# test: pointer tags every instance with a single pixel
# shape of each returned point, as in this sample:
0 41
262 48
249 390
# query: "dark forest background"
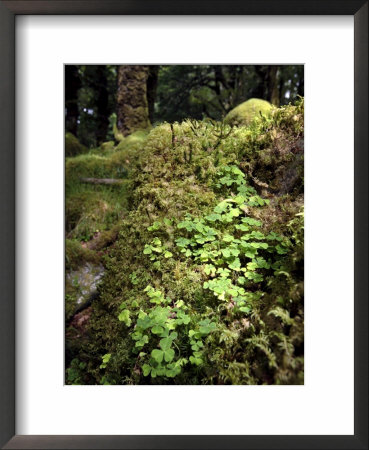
173 93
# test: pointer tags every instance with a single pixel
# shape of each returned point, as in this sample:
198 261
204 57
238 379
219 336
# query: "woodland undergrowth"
204 276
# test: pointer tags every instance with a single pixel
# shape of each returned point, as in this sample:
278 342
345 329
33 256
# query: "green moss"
243 114
179 169
89 211
72 145
76 255
104 239
106 161
94 166
118 136
106 147
133 142
277 141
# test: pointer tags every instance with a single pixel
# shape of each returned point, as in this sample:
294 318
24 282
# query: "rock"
83 284
243 114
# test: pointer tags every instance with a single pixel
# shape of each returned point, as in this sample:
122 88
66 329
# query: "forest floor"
190 269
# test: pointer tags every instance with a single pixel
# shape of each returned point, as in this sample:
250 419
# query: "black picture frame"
8 12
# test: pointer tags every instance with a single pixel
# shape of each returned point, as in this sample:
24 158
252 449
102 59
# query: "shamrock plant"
156 334
156 248
235 257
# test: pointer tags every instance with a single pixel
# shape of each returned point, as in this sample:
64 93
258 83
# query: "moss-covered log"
108 181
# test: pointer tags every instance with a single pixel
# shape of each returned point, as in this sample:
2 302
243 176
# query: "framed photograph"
184 225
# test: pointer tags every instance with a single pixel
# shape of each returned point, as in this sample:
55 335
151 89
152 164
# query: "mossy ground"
94 208
178 174
94 213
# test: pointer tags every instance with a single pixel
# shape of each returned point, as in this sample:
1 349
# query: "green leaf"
221 207
142 342
195 360
106 357
206 326
257 235
235 265
165 343
213 217
183 318
157 329
281 250
146 369
154 226
228 238
235 212
252 266
239 199
241 280
105 360
124 317
251 221
158 355
182 242
273 237
234 251
226 252
169 355
186 320
242 227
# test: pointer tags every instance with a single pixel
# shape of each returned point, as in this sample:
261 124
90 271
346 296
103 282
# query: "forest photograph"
184 224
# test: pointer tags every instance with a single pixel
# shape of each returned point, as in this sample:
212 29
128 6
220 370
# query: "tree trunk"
132 103
152 84
273 85
102 97
72 85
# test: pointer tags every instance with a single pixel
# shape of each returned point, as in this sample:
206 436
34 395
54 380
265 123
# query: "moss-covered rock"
72 145
76 255
107 147
278 165
194 209
89 212
243 114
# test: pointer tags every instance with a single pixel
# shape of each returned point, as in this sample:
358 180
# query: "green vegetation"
244 113
73 146
202 245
